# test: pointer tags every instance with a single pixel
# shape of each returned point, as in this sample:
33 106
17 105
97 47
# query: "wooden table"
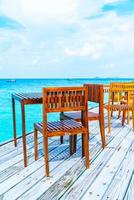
24 99
27 99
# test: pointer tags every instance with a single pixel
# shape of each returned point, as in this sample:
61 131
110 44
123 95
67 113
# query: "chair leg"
71 144
82 140
61 139
75 142
46 155
128 117
123 117
35 144
72 140
86 150
102 130
119 114
109 121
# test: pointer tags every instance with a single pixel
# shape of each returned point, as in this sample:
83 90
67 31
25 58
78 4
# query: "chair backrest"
121 90
118 96
122 87
60 99
95 93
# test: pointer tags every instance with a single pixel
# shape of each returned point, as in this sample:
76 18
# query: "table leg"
24 134
14 121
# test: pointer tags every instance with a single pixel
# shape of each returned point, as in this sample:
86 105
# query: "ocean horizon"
34 112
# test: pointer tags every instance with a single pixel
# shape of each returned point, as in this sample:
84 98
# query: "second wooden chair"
96 95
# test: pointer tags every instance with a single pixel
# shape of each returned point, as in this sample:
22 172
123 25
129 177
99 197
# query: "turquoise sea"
34 112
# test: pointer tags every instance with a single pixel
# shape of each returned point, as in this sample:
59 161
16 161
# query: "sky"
66 38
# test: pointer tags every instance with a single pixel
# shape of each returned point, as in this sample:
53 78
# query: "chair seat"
77 115
64 125
119 107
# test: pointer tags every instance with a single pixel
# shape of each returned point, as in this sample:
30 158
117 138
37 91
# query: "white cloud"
88 50
62 32
110 36
40 11
112 1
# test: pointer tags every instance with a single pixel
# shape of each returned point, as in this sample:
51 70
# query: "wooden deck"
111 174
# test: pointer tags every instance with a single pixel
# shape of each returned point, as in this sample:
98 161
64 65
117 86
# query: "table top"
28 98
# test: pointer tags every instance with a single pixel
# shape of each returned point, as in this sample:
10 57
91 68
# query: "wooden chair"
126 90
60 100
95 94
118 97
123 100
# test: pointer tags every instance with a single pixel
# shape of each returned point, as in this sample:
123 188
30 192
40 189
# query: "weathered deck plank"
88 177
130 189
103 181
39 174
109 177
67 181
14 168
119 184
21 175
43 184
